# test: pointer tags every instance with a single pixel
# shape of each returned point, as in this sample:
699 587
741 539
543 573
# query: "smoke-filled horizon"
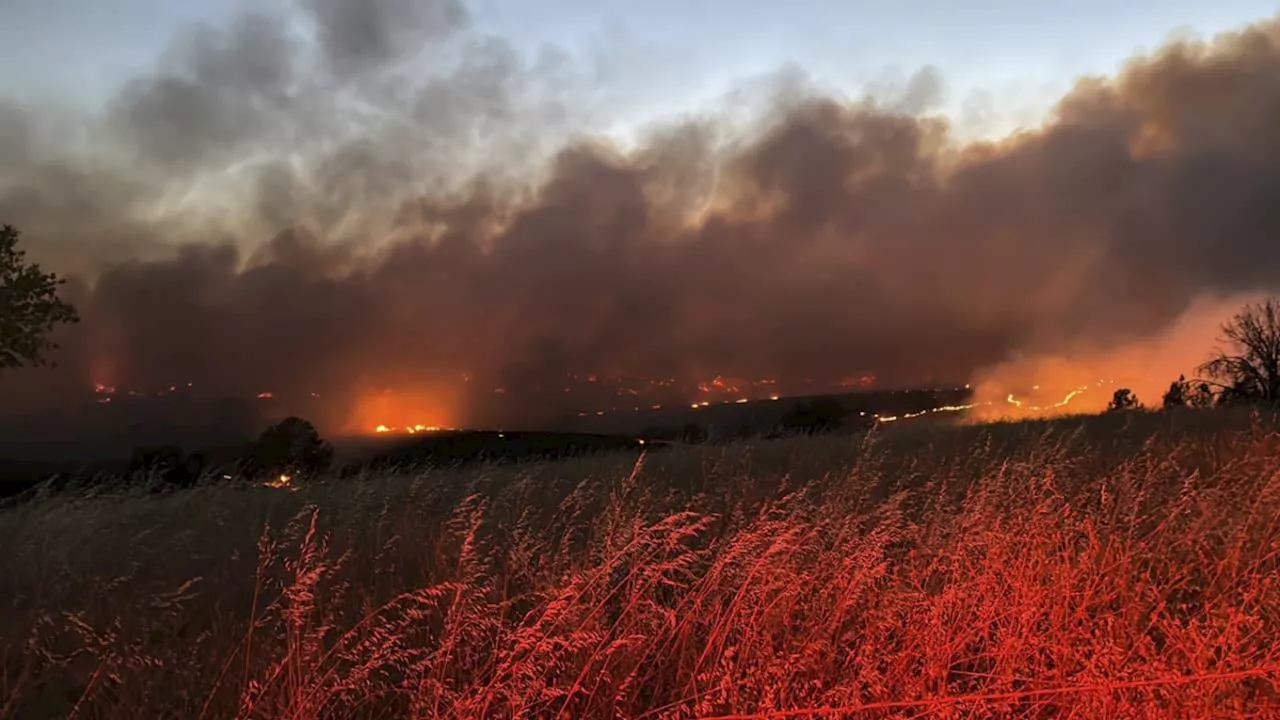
278 208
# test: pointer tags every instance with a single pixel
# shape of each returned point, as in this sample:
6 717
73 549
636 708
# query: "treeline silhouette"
286 453
292 452
812 416
457 448
1244 371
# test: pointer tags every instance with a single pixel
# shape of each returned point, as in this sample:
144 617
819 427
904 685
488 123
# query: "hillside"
1091 567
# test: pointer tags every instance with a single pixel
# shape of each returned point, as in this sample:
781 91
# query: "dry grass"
1031 571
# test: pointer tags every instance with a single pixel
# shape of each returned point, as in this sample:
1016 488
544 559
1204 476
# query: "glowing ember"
1042 408
410 429
284 482
943 408
1010 399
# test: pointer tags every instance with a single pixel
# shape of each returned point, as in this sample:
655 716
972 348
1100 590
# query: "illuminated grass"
1108 568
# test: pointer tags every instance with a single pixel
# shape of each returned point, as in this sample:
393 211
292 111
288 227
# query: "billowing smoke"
295 205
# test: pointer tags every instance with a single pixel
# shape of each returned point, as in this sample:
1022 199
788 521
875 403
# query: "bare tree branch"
1251 370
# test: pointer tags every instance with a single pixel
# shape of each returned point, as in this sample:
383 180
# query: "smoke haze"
286 205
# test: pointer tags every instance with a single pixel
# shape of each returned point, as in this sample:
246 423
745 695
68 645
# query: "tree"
29 306
1182 393
822 415
166 465
1249 369
1177 394
1201 396
292 448
693 434
1122 399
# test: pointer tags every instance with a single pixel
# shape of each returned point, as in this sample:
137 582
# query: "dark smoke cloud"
341 228
223 96
358 36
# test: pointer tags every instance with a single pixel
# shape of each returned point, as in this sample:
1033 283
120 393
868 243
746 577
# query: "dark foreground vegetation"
294 450
452 449
1126 565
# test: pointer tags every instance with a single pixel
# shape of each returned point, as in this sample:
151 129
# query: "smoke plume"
294 205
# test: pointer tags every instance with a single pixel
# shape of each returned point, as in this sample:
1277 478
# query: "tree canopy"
29 306
1248 368
1123 399
291 447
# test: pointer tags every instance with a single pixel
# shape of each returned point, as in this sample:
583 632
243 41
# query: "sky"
1009 57
448 198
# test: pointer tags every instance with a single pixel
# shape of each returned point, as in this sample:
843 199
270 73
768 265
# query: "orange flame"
400 411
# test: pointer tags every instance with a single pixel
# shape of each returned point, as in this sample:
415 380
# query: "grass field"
1124 566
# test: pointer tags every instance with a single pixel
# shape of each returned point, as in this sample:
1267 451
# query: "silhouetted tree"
693 433
291 447
1234 395
1177 394
1249 369
817 416
166 465
1201 396
1122 399
29 306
